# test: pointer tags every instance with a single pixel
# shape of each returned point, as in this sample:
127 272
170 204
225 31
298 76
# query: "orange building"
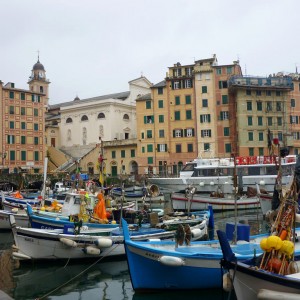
22 126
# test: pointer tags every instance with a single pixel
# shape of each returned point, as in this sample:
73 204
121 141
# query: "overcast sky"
95 47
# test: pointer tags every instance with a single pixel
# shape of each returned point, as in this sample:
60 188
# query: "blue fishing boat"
181 264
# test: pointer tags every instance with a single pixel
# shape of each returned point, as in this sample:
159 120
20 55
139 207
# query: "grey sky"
94 47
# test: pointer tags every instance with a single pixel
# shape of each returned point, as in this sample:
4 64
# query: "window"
219 71
23 111
259 106
161 133
160 91
188 83
132 153
10 139
188 71
100 116
149 148
249 105
22 96
113 154
35 98
11 110
69 120
177 100
84 118
148 104
204 89
260 136
268 93
280 136
11 95
11 125
23 155
293 103
205 118
188 115
177 72
269 121
206 133
228 148
176 85
278 93
125 117
250 121
12 155
36 155
251 151
160 103
148 119
248 92
142 135
224 99
177 115
177 133
190 148
36 140
226 131
206 147
278 106
178 148
161 148
224 115
23 139
258 93
222 84
143 149
189 132
229 70
250 136
161 118
279 121
260 121
36 112
269 106
204 103
23 125
188 99
123 153
150 160
36 126
149 134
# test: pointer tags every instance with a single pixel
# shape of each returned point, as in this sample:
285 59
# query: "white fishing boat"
208 173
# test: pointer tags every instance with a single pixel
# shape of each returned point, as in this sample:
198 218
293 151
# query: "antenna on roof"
245 69
38 55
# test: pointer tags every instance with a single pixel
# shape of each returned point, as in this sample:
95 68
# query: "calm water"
103 280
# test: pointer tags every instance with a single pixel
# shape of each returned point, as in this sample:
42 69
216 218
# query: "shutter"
297 120
173 133
166 147
193 132
201 133
291 120
185 132
208 118
158 148
201 118
182 132
145 120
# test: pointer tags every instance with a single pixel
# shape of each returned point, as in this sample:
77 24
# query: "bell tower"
38 83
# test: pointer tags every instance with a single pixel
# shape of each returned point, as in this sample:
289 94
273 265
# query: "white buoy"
103 243
91 250
227 282
196 233
201 183
262 182
212 183
20 256
171 261
68 242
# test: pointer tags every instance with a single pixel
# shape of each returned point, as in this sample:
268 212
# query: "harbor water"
100 279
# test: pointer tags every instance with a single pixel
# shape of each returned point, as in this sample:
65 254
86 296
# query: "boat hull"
201 202
21 220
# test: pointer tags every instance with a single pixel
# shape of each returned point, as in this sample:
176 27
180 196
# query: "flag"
101 178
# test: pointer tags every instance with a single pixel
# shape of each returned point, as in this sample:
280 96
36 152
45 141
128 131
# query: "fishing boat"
45 244
218 201
21 219
183 264
277 269
208 173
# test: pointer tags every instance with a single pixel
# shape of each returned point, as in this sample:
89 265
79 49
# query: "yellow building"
22 145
